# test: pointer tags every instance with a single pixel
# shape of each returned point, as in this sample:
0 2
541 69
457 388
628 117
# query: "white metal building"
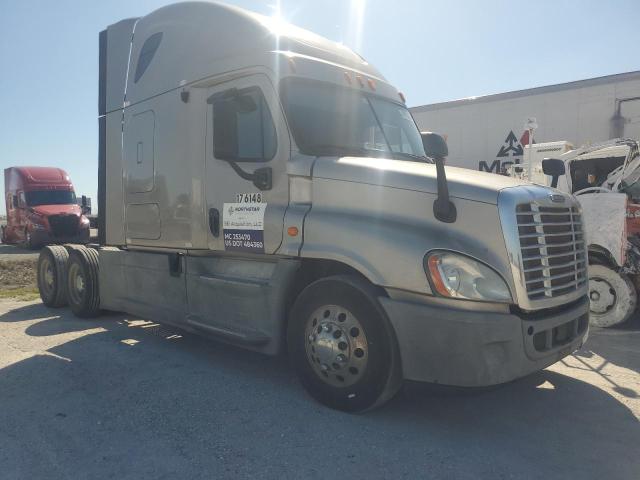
485 133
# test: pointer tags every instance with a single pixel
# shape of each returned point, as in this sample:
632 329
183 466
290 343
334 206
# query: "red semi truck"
41 208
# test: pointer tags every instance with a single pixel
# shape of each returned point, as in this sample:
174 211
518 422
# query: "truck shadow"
135 397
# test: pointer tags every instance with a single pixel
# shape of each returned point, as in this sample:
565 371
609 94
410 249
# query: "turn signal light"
432 264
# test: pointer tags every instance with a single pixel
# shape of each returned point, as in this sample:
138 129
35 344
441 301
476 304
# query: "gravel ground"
122 398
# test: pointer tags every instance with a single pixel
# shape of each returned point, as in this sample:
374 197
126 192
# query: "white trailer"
486 133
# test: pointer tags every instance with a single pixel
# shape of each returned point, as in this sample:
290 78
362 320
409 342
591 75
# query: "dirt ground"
18 273
120 397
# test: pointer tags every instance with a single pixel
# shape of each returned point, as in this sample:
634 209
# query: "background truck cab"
41 208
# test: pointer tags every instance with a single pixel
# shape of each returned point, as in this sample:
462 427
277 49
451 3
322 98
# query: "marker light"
371 83
292 231
347 77
401 95
360 80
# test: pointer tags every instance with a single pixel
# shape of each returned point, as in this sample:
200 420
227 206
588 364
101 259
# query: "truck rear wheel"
342 345
613 296
52 275
82 282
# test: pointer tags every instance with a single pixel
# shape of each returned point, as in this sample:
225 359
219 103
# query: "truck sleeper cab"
270 189
41 208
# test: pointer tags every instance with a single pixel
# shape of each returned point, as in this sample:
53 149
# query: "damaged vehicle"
605 178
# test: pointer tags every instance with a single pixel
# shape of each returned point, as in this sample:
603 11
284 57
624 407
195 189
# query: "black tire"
82 282
613 296
380 378
52 275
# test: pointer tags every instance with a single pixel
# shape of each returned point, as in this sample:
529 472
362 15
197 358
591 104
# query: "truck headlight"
458 276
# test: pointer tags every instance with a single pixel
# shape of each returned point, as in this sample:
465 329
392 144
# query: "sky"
431 50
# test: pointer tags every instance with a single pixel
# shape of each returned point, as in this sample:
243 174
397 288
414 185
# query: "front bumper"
475 348
44 237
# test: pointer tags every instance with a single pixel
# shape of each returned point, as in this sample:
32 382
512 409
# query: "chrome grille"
554 262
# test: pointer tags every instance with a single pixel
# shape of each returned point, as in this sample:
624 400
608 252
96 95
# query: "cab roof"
191 41
42 175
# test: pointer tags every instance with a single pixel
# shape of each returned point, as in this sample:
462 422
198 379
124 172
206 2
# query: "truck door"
21 216
12 215
247 148
246 195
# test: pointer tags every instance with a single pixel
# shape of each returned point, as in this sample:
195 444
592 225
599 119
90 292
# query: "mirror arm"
443 208
261 178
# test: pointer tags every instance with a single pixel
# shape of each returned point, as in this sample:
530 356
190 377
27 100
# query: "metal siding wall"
476 130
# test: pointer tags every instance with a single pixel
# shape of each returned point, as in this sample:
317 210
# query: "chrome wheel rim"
336 346
76 283
602 296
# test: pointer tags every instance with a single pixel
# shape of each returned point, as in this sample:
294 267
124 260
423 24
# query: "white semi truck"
266 187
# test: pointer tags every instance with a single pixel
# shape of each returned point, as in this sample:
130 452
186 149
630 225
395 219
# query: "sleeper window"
147 52
243 129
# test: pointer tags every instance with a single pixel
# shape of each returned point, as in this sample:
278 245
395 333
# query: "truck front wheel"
28 240
342 346
613 296
82 282
52 275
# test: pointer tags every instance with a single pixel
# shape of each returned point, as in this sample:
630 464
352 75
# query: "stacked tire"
52 275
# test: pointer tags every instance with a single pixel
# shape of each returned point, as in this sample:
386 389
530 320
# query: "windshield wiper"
411 156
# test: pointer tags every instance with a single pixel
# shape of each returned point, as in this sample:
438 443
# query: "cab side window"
243 129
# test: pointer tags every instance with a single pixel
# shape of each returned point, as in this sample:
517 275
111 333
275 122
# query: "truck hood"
417 176
48 210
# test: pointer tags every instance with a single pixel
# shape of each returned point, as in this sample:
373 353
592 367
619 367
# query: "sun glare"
356 24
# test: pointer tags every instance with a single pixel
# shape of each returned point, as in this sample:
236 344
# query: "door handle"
214 222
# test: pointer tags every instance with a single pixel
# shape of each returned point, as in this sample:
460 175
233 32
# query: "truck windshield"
331 120
49 197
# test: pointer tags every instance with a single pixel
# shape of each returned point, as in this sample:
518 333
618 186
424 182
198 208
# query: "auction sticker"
243 226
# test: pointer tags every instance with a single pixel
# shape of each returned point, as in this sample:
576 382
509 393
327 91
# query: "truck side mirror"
554 168
229 133
436 148
434 145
